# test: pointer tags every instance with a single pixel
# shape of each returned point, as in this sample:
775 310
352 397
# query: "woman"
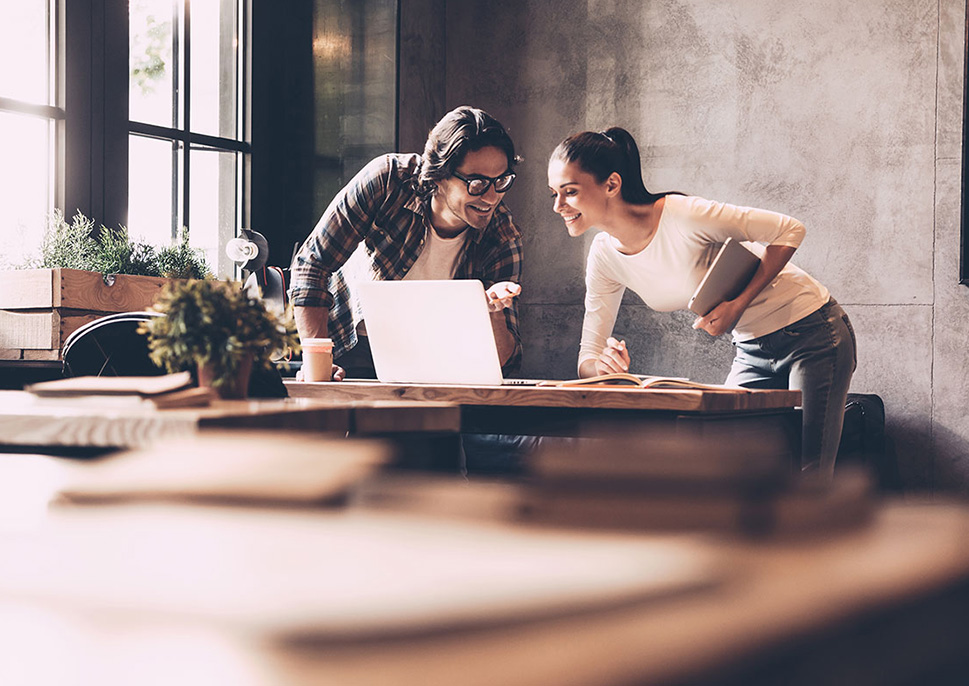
787 330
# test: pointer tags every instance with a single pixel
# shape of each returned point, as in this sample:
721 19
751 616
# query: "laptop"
728 275
431 332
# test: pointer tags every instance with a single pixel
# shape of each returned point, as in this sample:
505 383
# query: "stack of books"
638 482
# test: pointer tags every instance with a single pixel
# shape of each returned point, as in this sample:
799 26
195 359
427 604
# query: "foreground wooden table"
27 422
880 605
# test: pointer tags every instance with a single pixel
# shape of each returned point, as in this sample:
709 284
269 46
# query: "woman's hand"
502 294
721 318
614 358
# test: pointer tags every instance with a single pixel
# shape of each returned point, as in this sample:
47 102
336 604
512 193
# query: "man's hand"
721 318
502 295
337 374
614 358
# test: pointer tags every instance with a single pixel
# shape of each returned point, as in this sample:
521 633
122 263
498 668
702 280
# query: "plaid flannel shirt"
381 208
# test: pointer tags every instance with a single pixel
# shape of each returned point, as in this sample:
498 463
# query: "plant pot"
235 387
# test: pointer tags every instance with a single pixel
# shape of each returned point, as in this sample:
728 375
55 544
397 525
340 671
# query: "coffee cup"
317 359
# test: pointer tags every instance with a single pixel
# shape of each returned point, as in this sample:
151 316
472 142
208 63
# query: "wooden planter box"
40 308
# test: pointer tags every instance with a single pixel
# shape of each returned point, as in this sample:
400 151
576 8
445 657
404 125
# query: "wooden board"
40 308
576 397
26 289
40 329
93 422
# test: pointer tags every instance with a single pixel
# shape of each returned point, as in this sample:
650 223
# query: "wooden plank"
42 354
40 329
94 422
406 417
275 414
77 289
33 329
26 288
576 397
122 293
71 323
11 354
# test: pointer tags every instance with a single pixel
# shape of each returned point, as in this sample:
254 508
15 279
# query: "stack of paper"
165 391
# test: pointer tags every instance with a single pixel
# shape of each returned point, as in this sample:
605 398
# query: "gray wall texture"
847 116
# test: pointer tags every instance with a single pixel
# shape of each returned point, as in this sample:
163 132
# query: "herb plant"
116 253
70 245
79 244
181 261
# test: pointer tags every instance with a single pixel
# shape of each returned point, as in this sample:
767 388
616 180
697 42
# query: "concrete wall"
845 115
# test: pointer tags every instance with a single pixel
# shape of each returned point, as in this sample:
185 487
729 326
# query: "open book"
643 381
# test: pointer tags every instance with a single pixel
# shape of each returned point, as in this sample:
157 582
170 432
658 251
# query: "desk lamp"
250 250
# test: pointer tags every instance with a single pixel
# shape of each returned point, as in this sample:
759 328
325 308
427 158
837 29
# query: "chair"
110 346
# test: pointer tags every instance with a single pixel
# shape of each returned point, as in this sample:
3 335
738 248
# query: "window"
187 149
28 126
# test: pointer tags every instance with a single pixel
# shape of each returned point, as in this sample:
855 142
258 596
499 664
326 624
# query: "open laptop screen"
434 332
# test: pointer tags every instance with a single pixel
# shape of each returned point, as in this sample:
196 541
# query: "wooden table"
578 411
881 605
425 432
581 398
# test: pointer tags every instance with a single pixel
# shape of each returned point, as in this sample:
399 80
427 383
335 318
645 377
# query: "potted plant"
218 328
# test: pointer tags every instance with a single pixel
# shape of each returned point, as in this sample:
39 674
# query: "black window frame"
90 112
189 140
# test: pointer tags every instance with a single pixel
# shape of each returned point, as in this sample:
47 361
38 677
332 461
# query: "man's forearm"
311 322
504 339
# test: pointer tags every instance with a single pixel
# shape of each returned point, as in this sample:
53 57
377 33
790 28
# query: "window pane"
214 67
212 205
24 43
354 53
150 59
150 184
24 186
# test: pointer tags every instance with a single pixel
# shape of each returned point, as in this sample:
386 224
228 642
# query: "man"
438 215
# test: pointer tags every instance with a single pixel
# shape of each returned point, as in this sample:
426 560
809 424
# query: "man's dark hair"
462 130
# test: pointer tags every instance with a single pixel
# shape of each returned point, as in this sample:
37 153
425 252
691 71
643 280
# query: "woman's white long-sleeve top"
667 271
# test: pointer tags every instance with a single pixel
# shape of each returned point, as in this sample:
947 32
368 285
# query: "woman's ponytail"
605 152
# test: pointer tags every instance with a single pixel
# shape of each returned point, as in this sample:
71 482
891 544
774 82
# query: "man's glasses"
479 185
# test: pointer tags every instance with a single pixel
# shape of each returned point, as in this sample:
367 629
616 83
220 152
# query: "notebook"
433 332
728 275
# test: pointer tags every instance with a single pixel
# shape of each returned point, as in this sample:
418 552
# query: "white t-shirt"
439 258
667 271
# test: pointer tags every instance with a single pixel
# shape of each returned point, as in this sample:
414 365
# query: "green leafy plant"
70 245
218 324
182 261
79 244
116 253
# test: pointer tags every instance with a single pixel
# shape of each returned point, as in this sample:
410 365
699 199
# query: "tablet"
728 275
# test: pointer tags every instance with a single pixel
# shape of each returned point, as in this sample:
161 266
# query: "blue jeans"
817 356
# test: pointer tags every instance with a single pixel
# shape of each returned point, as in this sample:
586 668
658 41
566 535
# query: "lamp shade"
250 250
